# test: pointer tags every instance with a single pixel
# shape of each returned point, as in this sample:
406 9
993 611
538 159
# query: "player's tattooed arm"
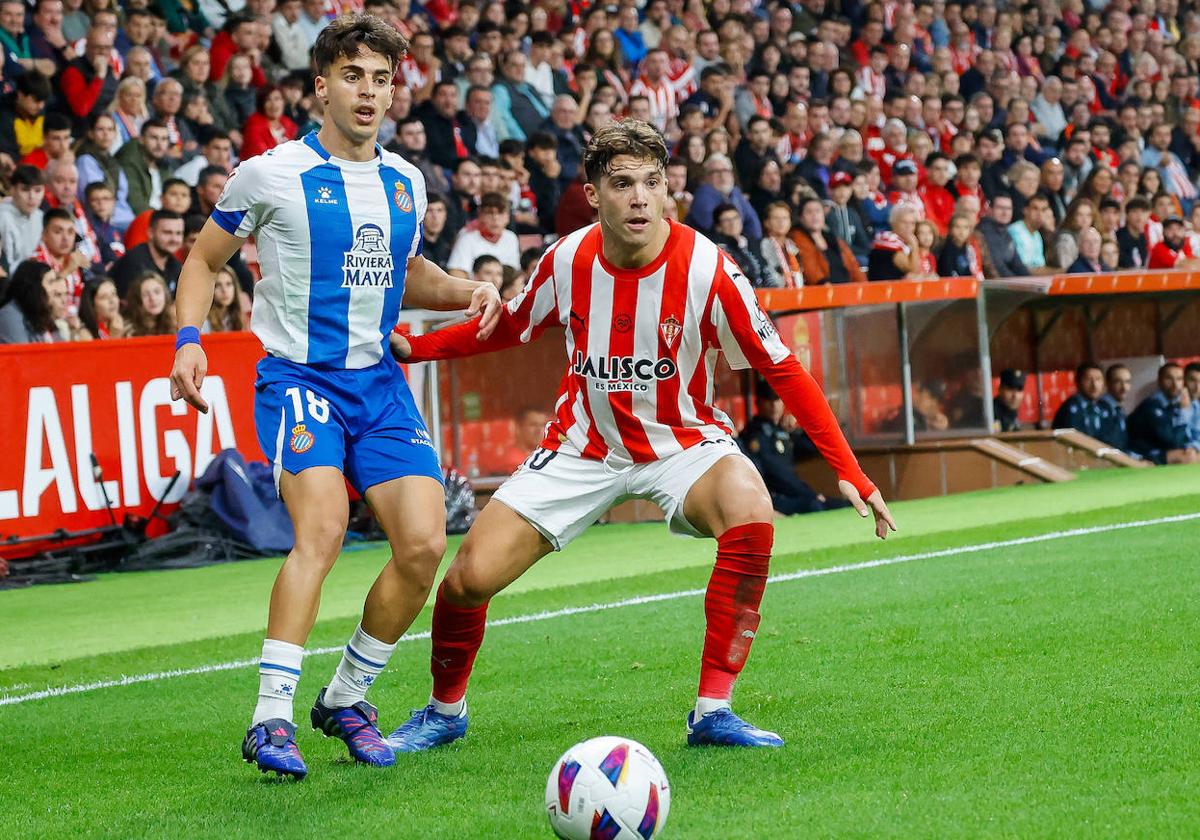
429 287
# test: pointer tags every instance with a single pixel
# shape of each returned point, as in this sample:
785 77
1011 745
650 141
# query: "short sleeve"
241 209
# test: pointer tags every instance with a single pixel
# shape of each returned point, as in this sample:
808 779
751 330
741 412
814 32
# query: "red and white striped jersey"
664 101
642 348
642 345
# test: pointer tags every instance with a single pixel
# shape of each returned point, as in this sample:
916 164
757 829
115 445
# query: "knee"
749 503
464 585
419 558
320 542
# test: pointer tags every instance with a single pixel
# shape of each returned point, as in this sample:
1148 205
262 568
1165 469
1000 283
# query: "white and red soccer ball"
607 789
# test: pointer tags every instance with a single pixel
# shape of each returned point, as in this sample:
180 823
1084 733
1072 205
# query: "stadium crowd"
817 141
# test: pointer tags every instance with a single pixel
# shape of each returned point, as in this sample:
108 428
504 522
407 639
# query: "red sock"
457 635
731 605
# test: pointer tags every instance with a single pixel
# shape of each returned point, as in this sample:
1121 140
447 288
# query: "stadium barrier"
65 402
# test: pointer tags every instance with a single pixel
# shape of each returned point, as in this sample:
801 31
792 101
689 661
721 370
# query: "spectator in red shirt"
966 182
1174 251
267 127
88 83
938 201
240 36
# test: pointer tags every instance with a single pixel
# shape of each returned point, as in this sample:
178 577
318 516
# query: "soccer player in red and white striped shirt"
648 305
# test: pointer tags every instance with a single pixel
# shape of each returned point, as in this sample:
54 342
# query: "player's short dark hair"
349 34
624 137
28 176
482 260
163 216
56 214
34 84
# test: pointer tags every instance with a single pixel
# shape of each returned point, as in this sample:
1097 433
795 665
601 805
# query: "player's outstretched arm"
804 399
427 286
748 338
193 299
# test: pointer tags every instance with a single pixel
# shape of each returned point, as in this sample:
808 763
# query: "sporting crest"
670 329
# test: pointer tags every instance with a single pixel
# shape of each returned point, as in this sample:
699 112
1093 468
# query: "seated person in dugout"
772 442
1158 428
1007 401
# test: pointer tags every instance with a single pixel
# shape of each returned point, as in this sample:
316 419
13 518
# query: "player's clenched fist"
191 366
486 300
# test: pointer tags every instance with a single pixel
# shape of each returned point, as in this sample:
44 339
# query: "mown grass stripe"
546 615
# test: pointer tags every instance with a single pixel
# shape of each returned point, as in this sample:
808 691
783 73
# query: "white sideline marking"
14 699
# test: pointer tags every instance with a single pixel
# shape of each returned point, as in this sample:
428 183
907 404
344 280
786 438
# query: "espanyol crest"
402 198
369 262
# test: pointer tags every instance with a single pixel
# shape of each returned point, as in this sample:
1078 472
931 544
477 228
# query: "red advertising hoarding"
61 403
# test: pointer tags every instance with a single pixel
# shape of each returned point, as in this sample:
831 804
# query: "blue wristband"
187 335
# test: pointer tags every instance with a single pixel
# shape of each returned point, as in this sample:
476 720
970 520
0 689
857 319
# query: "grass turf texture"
1038 690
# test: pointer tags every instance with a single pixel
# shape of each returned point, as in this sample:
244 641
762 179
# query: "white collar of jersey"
313 143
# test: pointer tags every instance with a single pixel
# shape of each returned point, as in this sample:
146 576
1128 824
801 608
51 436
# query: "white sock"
278 674
362 661
449 709
708 705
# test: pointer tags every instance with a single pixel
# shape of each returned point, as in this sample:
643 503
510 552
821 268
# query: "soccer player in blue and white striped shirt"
337 222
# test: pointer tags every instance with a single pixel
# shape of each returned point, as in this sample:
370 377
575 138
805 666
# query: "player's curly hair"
344 37
623 137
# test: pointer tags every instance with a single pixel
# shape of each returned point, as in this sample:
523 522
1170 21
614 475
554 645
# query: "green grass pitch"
1046 688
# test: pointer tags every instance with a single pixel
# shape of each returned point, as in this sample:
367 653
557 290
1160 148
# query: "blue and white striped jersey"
334 239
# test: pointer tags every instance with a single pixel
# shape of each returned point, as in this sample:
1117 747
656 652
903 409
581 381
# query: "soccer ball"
607 789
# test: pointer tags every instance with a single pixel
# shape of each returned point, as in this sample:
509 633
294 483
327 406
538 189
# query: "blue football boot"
356 725
427 728
271 745
723 728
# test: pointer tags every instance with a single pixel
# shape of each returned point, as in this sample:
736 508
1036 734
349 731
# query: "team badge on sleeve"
302 439
402 198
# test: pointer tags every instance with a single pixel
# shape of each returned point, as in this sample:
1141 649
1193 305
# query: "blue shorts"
364 422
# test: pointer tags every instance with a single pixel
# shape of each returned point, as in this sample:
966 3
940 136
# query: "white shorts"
561 494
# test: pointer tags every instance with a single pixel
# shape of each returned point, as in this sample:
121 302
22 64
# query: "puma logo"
443 663
576 317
